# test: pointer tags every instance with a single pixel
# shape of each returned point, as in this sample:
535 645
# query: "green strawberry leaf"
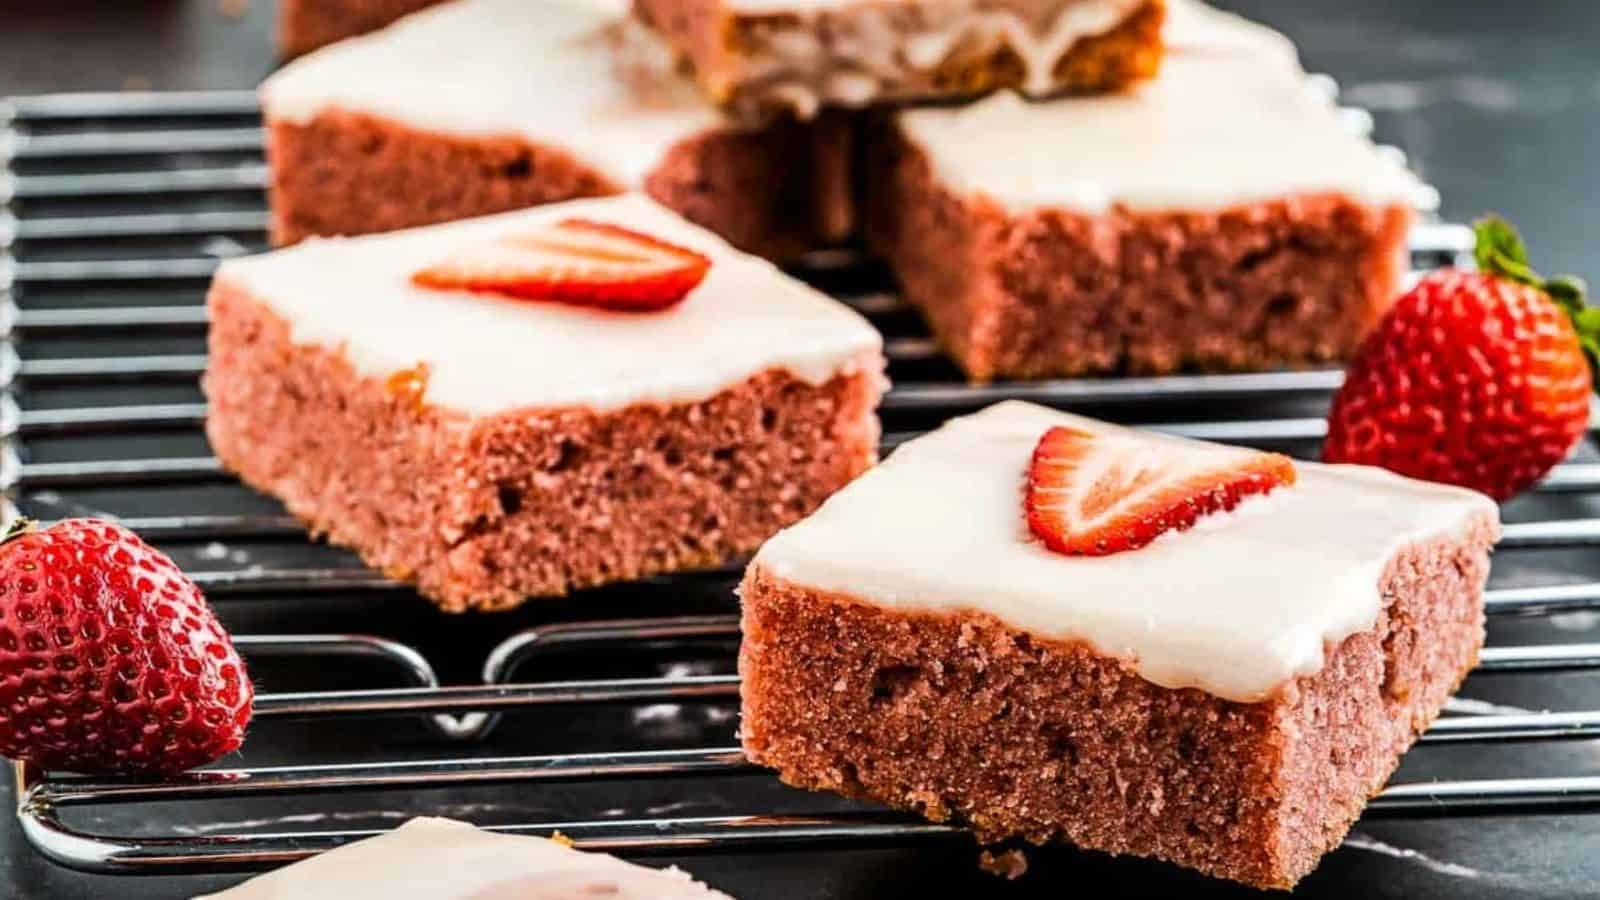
1568 291
1586 320
1499 250
18 527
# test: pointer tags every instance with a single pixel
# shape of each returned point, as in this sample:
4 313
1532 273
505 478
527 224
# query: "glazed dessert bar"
483 106
490 444
802 55
440 859
1220 217
1225 697
305 25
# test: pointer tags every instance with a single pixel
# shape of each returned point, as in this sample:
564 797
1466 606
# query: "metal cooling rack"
112 199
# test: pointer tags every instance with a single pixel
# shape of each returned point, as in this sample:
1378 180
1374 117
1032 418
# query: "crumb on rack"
1007 864
557 837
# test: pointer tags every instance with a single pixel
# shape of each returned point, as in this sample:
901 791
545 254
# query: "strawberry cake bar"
1053 628
802 55
538 401
305 25
1221 216
441 859
482 106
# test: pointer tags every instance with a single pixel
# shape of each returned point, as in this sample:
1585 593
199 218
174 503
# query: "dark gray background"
1497 103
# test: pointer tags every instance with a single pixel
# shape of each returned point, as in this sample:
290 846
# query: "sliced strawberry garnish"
574 261
1093 494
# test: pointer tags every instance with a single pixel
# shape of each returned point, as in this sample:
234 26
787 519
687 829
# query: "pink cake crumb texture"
776 191
1051 292
960 717
481 513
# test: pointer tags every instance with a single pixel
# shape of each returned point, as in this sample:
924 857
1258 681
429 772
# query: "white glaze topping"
1236 606
486 354
439 859
1040 52
871 48
543 70
1231 119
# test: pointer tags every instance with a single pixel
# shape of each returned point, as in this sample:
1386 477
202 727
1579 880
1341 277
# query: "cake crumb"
234 9
1007 864
410 385
557 837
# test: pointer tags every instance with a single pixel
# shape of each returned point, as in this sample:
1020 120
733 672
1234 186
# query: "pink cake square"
489 449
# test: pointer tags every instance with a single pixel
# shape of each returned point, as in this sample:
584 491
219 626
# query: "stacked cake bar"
802 55
1224 697
1221 216
457 406
482 106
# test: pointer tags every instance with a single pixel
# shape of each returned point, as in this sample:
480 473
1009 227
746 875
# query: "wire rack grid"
110 200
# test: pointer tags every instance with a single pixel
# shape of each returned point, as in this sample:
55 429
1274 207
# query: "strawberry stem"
19 526
1499 250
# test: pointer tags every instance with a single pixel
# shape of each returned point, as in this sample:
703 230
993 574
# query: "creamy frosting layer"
863 51
488 354
440 859
1232 118
1236 606
573 74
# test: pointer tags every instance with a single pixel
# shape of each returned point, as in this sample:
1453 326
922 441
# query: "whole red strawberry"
110 660
1480 379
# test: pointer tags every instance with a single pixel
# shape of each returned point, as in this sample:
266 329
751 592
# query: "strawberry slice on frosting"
574 261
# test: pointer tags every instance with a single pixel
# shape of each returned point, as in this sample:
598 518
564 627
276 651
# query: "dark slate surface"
1497 103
